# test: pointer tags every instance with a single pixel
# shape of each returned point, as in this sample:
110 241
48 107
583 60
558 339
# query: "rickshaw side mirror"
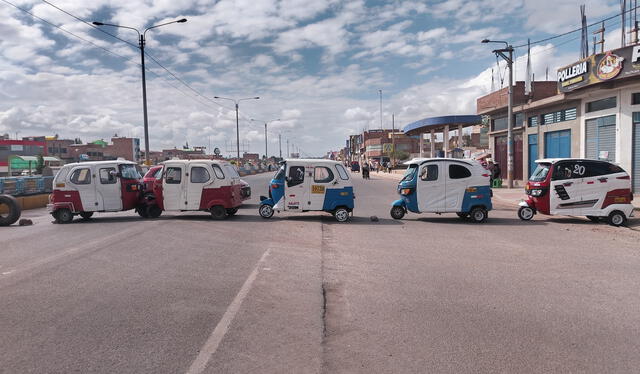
114 173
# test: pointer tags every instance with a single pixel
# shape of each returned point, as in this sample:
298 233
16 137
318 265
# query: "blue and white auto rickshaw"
310 185
444 185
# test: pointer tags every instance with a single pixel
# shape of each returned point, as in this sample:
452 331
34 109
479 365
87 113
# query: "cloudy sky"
316 65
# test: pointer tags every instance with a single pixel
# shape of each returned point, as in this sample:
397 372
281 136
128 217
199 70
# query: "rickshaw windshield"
540 173
280 174
410 173
128 171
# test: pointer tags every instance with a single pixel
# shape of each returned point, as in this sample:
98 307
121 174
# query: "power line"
578 29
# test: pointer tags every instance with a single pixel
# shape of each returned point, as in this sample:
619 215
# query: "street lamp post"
266 155
236 102
509 59
141 43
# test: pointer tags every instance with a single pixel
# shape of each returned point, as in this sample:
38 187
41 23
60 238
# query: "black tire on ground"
265 211
86 215
63 215
397 212
526 213
617 218
232 211
462 215
153 211
478 214
594 219
142 211
218 212
13 210
341 215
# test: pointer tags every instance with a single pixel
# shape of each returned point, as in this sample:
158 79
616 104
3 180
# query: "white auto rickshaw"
101 186
196 185
310 185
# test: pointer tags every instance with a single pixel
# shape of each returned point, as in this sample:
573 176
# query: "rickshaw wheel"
265 211
142 211
232 211
525 213
594 219
478 214
617 218
341 215
397 212
86 215
63 215
153 211
218 212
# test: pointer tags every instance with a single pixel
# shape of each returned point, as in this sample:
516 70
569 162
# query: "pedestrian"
496 171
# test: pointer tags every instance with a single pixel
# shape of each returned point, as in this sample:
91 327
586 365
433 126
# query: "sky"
317 66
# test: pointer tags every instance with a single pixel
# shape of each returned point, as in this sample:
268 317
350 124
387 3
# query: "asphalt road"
302 293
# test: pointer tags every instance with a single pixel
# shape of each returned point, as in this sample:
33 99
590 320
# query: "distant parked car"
355 167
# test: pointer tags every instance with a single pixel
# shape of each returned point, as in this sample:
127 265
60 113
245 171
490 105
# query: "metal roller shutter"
601 137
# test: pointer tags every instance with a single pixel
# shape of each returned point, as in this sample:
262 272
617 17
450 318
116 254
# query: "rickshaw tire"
86 215
523 216
142 212
475 217
594 219
14 210
617 218
63 216
232 211
153 211
218 212
397 212
341 215
265 211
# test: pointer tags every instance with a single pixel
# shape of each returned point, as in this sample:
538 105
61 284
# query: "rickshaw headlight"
406 191
536 192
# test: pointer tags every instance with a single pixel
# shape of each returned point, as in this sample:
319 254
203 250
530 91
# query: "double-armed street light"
141 43
509 59
236 102
266 155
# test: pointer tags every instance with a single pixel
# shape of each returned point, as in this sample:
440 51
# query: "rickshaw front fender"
400 202
267 201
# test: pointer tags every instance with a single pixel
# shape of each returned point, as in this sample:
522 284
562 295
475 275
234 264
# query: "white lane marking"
211 345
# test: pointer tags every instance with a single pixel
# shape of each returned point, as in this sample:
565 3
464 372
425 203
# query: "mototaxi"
310 185
444 185
578 187
195 185
95 186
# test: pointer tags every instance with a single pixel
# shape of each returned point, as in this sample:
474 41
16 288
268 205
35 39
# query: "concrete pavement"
302 293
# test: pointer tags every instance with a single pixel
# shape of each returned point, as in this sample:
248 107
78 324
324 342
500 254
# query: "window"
280 174
129 171
540 173
232 171
199 175
533 121
410 173
608 103
499 124
81 176
322 174
559 116
569 170
342 172
635 98
158 173
217 171
296 175
173 175
107 175
518 120
429 173
458 172
595 168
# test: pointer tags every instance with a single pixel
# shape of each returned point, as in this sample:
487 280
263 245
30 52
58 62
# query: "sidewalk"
505 195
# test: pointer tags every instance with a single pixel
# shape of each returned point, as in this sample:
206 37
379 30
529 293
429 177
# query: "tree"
39 164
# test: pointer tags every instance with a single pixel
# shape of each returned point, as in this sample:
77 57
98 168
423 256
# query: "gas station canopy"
438 123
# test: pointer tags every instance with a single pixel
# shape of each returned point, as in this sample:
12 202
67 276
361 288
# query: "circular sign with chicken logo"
609 66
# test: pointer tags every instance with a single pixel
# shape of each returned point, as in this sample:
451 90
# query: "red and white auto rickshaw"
102 186
196 185
579 187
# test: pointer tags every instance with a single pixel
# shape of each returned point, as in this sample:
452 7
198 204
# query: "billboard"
603 67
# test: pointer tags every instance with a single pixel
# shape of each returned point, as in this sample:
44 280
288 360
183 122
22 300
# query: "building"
24 147
591 111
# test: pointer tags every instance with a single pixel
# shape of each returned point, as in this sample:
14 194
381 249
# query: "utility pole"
280 144
393 139
380 91
288 154
236 102
509 59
